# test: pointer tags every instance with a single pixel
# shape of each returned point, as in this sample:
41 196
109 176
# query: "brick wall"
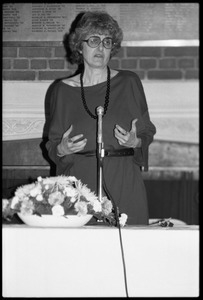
36 61
172 181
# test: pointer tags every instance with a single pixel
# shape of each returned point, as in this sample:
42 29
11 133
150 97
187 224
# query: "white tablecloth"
87 262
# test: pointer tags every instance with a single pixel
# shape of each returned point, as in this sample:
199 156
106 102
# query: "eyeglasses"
94 41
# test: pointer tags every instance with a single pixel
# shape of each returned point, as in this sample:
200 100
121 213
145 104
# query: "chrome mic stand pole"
100 151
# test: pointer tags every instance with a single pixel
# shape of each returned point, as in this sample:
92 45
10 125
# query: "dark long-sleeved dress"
122 174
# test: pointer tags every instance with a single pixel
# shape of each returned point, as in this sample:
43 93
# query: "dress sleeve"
148 131
55 132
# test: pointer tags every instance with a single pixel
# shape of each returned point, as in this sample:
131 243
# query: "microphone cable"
119 229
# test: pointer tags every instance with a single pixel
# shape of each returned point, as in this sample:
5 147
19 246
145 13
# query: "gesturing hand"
128 139
69 145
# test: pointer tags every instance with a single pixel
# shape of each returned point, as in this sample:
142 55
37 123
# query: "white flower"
86 192
5 203
22 191
39 197
46 187
72 178
122 220
56 198
97 206
106 206
57 210
27 208
81 208
70 191
49 180
73 199
62 180
36 190
14 201
39 178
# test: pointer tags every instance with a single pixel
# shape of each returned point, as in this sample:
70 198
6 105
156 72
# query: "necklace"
106 103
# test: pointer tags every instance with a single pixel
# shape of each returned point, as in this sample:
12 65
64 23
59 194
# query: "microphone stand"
100 156
100 151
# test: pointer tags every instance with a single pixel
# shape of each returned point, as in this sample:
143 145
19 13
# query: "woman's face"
97 57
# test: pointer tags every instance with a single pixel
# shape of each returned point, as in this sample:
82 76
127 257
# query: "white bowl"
55 221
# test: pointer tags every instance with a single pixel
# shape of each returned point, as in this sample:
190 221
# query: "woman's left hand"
127 139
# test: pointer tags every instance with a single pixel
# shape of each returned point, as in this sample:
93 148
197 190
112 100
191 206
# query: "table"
87 261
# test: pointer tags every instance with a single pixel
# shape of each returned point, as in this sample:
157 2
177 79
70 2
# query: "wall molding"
173 107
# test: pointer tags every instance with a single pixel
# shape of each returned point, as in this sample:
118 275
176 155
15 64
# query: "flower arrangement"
60 196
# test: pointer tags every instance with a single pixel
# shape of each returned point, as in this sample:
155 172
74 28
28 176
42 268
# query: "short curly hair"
95 22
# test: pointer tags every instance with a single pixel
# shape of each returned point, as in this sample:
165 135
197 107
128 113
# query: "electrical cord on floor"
119 229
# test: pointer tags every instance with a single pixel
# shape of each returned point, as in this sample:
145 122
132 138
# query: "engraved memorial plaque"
139 21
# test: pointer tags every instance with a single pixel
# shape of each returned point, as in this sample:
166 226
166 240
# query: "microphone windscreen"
100 110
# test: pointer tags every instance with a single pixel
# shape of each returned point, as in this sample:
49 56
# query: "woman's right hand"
70 145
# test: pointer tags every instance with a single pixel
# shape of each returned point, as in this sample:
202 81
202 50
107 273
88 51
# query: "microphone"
100 152
100 112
